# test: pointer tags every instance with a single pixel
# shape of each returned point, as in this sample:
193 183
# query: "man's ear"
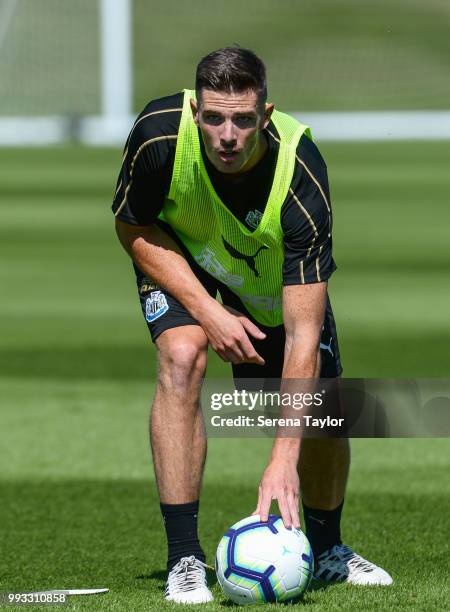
194 109
268 110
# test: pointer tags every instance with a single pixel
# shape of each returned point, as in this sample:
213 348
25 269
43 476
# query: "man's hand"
227 331
280 481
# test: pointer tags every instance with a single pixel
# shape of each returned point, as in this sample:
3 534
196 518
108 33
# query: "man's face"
231 125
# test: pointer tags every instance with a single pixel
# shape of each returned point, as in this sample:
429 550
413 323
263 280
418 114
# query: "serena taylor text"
306 420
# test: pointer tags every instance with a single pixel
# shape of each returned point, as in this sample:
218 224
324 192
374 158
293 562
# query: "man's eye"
245 121
213 119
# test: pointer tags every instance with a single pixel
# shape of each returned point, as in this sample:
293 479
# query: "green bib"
248 262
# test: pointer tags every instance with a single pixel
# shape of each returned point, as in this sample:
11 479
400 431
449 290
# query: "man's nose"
228 136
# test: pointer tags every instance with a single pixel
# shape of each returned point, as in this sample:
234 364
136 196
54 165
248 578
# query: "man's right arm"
142 186
160 258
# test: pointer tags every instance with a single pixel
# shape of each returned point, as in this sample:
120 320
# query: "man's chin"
228 167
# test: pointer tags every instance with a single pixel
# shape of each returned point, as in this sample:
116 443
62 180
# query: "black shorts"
162 311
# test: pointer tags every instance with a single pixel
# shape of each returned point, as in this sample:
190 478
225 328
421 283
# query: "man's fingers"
285 510
264 507
236 354
240 352
231 355
293 502
251 356
249 327
255 358
226 356
252 329
258 504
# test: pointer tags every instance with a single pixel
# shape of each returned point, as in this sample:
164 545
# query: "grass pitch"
79 507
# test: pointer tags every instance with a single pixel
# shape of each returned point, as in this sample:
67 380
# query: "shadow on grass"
316 585
113 363
160 577
88 363
319 585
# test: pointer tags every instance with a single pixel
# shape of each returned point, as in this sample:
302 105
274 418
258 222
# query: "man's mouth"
228 156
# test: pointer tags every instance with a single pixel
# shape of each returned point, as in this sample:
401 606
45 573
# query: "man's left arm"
303 309
306 220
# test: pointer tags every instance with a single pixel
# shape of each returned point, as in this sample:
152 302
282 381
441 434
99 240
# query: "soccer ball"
261 562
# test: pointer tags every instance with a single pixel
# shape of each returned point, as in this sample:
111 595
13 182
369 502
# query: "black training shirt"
306 219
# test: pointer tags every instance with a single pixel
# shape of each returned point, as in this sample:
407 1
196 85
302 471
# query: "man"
218 192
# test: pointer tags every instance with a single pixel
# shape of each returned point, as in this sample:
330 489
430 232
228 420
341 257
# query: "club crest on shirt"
155 306
253 218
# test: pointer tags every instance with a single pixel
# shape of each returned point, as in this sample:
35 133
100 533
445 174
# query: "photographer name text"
306 420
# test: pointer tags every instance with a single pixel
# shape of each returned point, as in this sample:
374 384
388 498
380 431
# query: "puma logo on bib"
249 259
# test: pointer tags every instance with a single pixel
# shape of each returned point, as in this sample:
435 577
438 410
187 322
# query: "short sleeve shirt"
306 217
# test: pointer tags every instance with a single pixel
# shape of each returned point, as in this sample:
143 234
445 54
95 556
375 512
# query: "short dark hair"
232 69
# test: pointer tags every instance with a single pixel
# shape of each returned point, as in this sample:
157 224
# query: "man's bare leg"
179 450
176 425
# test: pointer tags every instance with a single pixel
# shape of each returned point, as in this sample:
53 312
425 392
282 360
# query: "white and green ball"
262 562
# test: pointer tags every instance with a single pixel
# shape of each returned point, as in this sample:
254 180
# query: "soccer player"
220 193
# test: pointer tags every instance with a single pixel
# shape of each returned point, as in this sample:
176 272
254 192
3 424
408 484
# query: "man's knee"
182 356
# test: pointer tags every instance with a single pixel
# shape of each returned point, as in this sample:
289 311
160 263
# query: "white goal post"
65 71
116 75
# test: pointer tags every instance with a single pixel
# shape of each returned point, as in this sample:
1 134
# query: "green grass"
79 506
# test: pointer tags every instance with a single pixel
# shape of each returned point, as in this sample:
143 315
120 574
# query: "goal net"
49 57
65 70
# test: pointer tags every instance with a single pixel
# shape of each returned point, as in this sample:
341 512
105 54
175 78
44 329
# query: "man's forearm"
301 365
301 358
160 258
